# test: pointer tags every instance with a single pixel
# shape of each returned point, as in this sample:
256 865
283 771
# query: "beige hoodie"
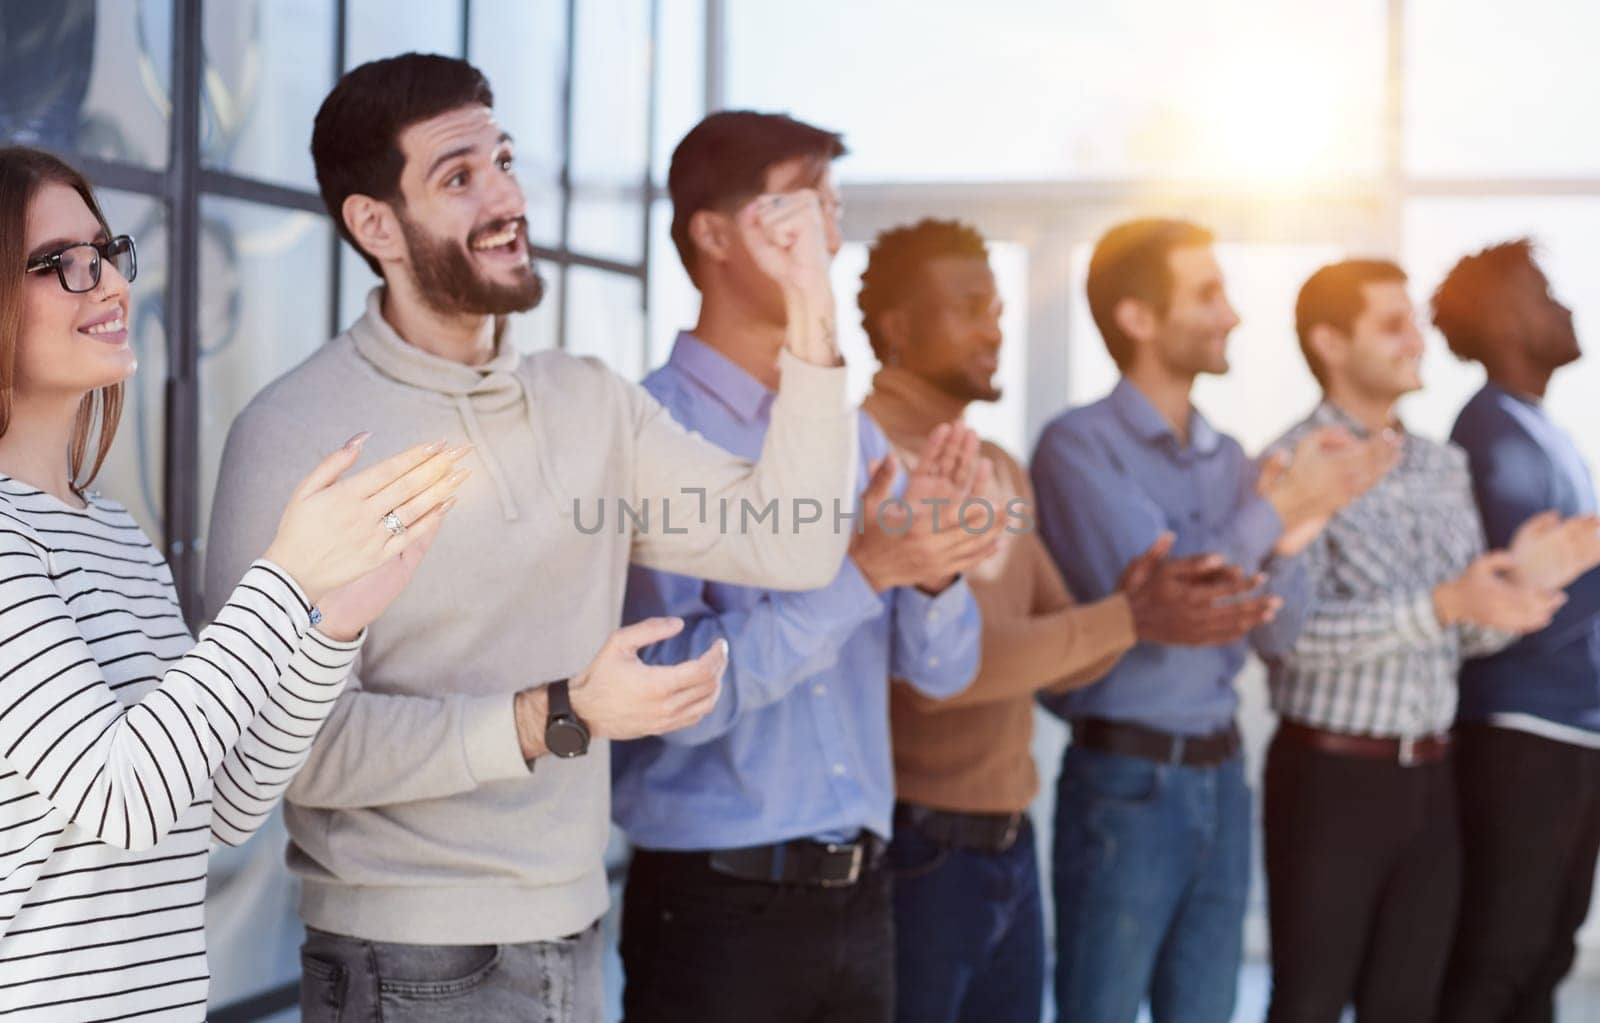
416 818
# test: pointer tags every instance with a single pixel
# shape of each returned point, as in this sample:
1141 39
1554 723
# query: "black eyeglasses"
78 266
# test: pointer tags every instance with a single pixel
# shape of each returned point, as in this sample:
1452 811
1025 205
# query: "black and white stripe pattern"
126 748
1372 658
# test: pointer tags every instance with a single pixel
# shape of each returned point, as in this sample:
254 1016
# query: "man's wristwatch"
565 734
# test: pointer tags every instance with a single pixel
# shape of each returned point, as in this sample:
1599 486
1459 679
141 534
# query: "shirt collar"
1141 417
1329 414
1522 399
744 395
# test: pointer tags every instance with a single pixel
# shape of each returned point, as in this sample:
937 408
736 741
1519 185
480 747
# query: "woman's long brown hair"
23 172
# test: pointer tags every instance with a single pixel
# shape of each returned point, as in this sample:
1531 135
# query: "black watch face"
566 738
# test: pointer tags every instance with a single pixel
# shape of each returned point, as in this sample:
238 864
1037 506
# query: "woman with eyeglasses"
126 746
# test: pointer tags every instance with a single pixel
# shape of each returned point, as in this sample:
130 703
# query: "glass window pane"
522 48
385 28
1499 89
264 285
1267 388
535 330
680 76
674 300
1440 231
356 281
605 317
133 472
606 221
88 77
949 89
610 122
268 67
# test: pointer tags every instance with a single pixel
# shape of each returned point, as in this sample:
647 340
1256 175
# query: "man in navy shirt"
1529 719
1152 840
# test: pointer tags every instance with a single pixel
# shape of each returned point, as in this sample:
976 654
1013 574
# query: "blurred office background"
1300 131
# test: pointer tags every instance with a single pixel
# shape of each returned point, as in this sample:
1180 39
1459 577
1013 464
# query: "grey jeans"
349 980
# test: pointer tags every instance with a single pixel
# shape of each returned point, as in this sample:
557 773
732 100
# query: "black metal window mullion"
180 490
335 243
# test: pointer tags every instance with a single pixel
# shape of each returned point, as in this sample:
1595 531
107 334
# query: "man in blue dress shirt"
1152 834
1528 763
757 889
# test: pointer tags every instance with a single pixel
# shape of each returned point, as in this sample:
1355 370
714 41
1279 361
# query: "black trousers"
1530 811
1363 879
699 946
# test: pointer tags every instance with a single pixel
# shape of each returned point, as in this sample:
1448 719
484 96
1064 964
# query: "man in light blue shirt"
1152 840
757 890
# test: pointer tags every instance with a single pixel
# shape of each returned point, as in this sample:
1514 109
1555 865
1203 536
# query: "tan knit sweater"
971 753
415 818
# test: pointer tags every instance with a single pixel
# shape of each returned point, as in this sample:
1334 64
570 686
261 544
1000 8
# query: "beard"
449 282
969 387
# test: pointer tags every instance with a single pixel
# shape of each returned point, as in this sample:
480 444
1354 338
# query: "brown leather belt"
1426 749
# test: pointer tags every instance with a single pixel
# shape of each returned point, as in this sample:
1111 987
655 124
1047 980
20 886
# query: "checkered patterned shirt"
1372 658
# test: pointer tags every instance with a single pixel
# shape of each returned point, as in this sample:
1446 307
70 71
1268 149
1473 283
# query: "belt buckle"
1013 829
1408 751
857 855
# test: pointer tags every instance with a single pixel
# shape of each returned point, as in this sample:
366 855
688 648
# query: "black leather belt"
1148 744
823 864
980 832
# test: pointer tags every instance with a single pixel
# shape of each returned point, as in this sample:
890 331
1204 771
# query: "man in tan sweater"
449 826
969 933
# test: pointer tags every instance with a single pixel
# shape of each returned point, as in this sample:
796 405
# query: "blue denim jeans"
1151 872
350 980
969 931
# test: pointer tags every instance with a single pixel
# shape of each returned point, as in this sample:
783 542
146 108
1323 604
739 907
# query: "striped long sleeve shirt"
1372 657
126 749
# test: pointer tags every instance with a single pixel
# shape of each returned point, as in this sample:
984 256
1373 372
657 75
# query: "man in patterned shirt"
1362 852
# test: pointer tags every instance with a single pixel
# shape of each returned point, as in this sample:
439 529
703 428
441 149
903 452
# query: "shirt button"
838 770
933 662
819 689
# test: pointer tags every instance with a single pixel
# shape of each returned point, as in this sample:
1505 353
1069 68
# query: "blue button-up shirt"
797 745
1522 464
1110 478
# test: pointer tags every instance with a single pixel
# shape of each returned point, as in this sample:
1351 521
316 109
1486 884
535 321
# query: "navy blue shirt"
1523 464
1110 478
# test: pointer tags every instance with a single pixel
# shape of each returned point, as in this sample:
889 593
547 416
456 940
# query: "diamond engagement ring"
392 523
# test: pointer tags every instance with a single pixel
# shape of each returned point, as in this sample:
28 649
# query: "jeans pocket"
1115 779
433 972
323 988
911 855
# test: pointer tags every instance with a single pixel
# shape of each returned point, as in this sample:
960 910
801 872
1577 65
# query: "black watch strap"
560 699
565 734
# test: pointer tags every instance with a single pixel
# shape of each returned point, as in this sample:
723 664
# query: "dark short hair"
1130 261
725 158
1464 299
355 141
897 259
1333 297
